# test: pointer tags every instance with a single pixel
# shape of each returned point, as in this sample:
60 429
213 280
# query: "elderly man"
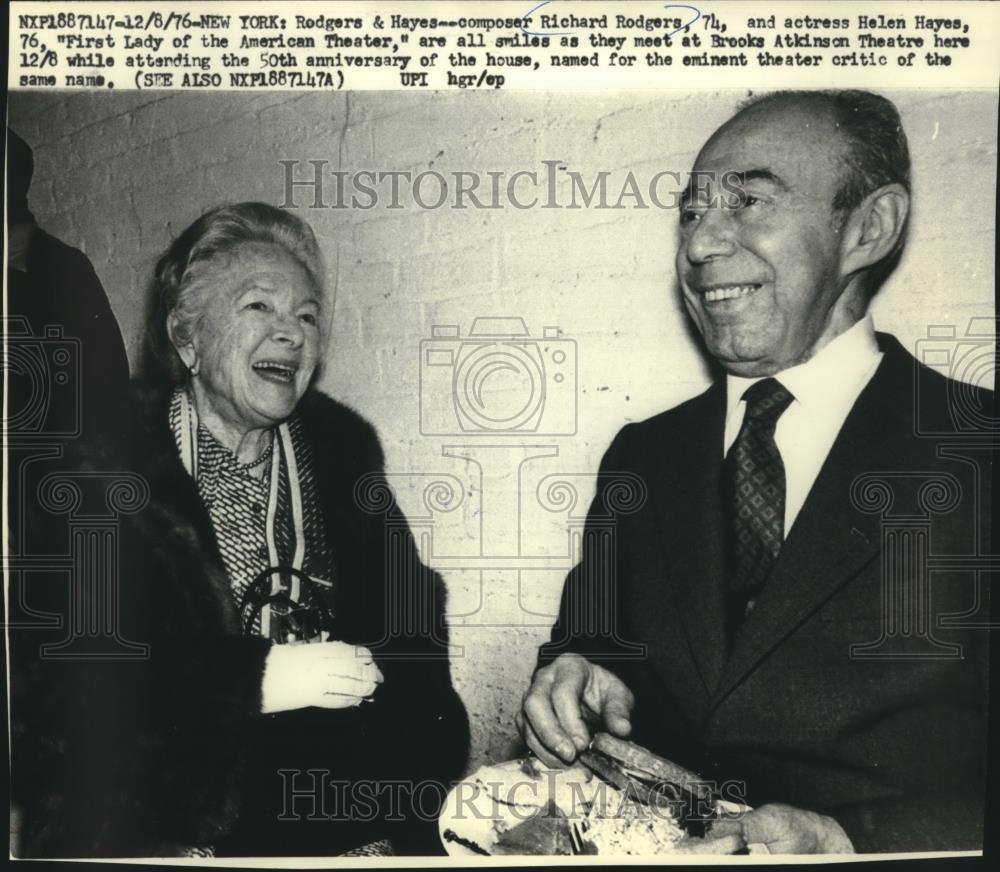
744 627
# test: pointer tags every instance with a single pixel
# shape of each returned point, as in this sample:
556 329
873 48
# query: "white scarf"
188 443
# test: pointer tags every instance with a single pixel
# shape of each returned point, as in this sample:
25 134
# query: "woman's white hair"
205 246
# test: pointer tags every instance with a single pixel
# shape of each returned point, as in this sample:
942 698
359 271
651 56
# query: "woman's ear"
874 228
182 345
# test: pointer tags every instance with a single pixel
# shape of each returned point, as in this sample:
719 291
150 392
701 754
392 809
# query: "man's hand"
787 830
563 696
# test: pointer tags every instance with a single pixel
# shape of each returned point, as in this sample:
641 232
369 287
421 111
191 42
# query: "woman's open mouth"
728 292
274 371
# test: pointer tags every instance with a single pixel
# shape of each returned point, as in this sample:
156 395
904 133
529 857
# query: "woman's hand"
329 675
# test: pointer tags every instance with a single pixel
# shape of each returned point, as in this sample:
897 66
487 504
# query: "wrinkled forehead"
796 143
231 271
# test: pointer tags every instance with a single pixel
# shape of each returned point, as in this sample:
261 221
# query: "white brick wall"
118 174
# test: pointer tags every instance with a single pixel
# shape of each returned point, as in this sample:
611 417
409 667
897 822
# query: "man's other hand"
564 696
787 830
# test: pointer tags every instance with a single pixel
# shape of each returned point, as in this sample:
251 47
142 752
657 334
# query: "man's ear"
874 228
183 346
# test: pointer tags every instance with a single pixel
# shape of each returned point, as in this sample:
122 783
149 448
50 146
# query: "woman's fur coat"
150 754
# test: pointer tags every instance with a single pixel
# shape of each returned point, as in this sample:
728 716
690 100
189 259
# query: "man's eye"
689 216
749 201
256 306
309 318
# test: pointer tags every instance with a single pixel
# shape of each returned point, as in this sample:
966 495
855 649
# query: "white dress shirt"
825 388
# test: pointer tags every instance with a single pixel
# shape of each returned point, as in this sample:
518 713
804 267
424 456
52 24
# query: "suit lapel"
831 540
692 541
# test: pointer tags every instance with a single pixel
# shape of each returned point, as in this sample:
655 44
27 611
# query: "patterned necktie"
757 491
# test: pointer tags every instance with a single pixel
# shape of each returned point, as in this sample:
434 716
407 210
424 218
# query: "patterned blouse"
236 497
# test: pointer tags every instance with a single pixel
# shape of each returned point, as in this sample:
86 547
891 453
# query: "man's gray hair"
877 150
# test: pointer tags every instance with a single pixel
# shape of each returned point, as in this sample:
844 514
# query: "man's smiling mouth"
273 370
728 292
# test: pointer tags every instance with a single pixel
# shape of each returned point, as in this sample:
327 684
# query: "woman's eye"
256 306
309 318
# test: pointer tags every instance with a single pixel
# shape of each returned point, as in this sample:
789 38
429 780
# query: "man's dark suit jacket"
893 748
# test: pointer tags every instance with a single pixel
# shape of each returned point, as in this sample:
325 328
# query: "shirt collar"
829 378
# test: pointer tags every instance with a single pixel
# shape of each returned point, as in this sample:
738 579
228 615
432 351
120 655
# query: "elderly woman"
295 697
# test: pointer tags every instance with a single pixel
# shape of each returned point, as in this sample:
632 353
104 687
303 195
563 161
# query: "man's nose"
712 236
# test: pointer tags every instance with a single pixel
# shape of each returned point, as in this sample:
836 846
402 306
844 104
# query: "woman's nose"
712 236
288 330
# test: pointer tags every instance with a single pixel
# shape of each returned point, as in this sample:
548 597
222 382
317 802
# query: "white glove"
328 675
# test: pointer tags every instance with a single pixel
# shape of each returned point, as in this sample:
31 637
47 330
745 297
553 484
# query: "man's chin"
746 364
748 352
748 370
